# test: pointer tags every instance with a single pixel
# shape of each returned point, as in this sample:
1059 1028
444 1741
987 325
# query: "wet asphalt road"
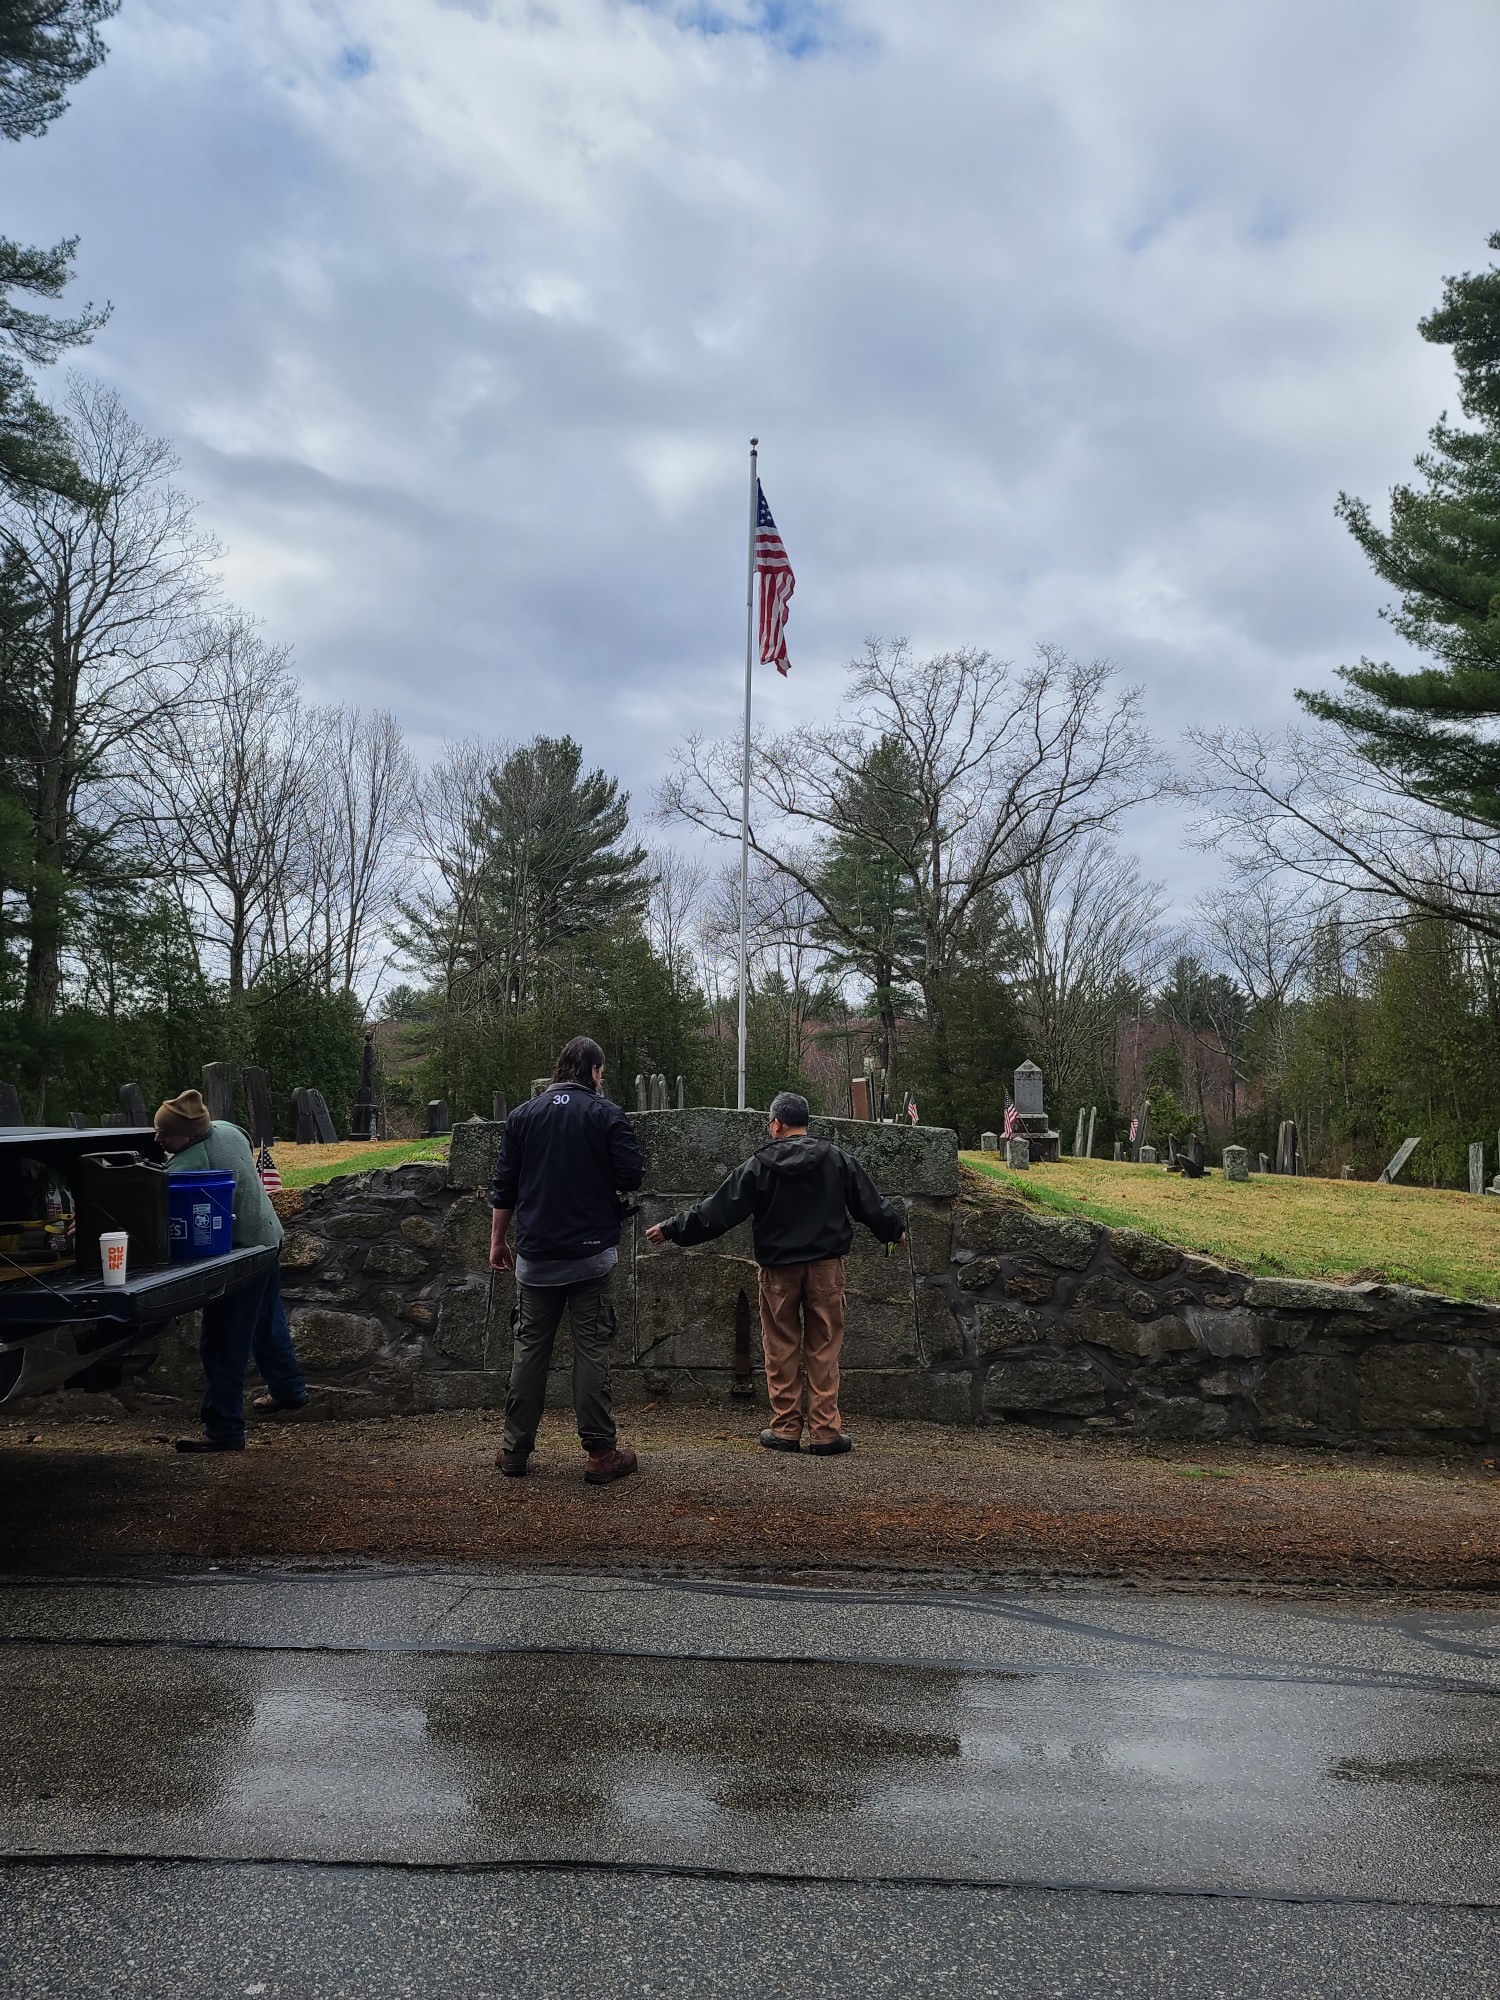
390 1783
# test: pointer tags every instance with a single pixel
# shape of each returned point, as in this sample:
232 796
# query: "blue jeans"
245 1324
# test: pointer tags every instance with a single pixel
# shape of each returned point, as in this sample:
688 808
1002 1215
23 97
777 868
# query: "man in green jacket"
250 1321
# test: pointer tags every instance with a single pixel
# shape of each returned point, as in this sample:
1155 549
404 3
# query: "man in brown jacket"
799 1194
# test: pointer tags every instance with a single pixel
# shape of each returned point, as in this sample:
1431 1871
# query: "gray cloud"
1061 320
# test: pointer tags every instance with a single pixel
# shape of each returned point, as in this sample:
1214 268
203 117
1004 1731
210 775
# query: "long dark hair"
578 1061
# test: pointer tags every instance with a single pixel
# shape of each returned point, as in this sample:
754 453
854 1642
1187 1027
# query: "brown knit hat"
183 1117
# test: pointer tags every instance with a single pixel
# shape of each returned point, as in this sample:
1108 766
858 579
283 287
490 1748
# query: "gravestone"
258 1097
132 1104
362 1120
1138 1128
1078 1136
1476 1168
1346 1173
1119 1151
1191 1162
1088 1151
681 1096
322 1122
1148 1156
859 1091
1018 1155
1402 1155
1171 1153
1288 1150
640 1092
112 1119
658 1092
439 1118
989 1142
875 1088
78 1122
1031 1115
497 1107
302 1119
218 1091
1028 1091
10 1105
1236 1163
1265 1164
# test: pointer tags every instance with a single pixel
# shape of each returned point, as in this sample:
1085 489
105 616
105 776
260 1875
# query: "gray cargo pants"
591 1315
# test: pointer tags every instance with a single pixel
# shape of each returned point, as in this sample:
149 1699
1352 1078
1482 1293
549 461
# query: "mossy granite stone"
1304 1295
690 1152
1142 1255
473 1152
1420 1388
334 1340
1066 1241
1041 1384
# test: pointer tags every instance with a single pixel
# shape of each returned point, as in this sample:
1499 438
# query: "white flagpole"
745 773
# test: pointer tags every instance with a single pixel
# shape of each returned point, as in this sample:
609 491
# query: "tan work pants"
802 1330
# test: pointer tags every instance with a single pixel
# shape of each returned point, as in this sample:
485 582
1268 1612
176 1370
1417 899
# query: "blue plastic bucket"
201 1206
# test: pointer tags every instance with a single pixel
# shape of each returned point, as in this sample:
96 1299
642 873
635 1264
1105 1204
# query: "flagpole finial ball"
753 443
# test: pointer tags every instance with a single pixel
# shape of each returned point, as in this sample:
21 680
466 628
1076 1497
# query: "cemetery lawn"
310 1166
1279 1226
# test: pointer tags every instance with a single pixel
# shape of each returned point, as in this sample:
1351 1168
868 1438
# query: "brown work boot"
604 1467
513 1463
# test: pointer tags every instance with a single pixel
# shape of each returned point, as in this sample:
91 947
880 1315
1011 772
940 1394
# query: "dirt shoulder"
96 1493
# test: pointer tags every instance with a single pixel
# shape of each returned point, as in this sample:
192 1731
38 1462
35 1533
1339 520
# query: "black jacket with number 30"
799 1194
562 1159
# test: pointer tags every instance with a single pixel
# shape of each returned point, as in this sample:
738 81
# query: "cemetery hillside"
1436 1238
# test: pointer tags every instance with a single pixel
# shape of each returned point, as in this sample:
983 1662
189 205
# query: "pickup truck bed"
56 1326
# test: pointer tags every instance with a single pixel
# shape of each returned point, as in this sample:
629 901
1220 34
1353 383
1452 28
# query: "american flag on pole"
1135 1126
265 1166
1008 1122
776 585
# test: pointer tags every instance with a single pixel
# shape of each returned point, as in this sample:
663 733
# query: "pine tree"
1430 728
45 46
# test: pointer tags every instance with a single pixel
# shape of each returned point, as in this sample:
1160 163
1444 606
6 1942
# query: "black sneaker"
773 1441
210 1444
834 1448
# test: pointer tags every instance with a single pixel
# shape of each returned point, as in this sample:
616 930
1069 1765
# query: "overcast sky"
1061 321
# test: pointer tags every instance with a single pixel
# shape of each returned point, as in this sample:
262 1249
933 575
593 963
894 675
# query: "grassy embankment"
310 1166
1283 1227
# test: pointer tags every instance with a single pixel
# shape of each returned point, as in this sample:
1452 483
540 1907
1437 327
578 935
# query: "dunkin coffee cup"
112 1255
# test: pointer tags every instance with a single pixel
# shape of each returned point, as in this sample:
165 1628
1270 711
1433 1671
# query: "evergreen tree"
45 46
1431 728
873 925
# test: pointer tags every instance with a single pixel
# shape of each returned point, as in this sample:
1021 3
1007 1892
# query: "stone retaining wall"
991 1311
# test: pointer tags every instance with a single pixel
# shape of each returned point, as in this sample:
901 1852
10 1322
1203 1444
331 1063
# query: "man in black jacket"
800 1193
562 1160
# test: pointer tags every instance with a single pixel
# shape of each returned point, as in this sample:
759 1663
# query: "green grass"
311 1166
1280 1226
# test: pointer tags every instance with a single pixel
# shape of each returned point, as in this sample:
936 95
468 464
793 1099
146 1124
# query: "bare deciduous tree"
1308 806
115 644
1092 936
233 773
675 908
990 768
357 820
